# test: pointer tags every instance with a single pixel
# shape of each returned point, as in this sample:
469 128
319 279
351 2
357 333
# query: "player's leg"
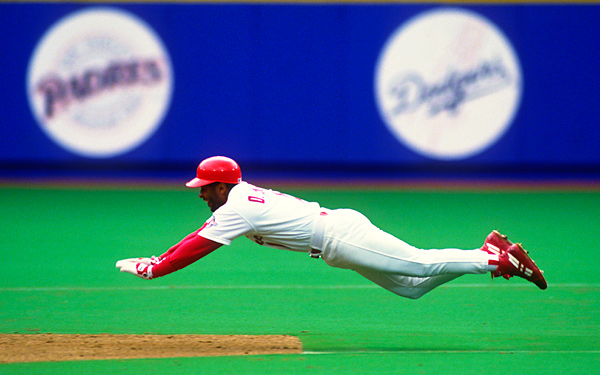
406 286
354 243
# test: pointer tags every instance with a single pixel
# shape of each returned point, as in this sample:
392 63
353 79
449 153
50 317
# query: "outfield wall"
402 88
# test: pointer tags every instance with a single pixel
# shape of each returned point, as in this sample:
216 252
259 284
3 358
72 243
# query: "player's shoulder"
241 189
244 193
238 200
239 193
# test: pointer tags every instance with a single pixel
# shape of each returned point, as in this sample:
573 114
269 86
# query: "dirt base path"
58 347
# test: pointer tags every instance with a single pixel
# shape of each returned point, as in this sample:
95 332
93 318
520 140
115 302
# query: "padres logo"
99 82
448 84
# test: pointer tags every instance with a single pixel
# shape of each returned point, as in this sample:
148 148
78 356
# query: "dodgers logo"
99 82
448 84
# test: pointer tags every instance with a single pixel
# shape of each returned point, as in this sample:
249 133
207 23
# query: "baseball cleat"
515 261
496 243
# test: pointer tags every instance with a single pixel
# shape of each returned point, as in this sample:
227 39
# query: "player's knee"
414 293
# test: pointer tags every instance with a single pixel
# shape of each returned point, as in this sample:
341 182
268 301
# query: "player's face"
214 195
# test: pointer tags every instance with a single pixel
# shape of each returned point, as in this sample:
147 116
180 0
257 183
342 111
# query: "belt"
314 253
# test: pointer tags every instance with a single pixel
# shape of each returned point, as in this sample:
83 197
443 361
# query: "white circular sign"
448 84
100 82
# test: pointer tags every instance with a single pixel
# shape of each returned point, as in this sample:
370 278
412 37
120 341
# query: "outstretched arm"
186 253
192 248
177 245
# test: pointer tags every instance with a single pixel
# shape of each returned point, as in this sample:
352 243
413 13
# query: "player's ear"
221 189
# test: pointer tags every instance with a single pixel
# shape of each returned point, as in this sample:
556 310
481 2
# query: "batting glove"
149 261
140 267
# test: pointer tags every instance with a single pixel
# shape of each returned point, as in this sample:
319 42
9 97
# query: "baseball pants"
347 239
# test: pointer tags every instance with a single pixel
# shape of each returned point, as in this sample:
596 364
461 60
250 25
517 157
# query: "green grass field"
60 245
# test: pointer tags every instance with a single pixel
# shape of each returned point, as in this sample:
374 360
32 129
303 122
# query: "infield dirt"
60 347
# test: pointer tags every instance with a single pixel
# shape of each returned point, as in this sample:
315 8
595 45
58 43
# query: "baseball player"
343 238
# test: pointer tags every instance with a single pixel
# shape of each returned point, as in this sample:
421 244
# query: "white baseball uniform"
344 238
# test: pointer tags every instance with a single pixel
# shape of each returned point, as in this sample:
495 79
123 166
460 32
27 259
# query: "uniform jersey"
264 216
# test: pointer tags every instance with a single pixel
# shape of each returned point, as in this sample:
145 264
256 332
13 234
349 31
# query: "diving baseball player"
343 238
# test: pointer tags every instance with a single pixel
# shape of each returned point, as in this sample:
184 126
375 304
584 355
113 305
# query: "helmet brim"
197 182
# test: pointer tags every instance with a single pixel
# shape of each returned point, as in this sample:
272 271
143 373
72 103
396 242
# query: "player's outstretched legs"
352 242
411 272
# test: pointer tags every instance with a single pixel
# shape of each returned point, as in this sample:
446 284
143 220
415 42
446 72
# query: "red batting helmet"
216 169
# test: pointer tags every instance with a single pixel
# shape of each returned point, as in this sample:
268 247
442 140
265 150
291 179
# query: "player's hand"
137 267
149 261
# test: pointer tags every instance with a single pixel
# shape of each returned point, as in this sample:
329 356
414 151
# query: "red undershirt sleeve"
186 252
176 246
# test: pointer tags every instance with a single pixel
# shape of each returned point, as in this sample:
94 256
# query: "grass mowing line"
446 351
267 287
178 287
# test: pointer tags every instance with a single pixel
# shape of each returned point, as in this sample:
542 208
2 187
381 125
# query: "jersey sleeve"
224 226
